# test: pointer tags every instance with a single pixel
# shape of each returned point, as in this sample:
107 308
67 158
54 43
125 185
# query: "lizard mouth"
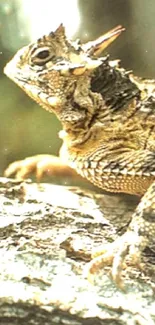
14 73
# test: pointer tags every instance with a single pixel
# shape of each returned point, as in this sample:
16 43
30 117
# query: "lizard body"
108 120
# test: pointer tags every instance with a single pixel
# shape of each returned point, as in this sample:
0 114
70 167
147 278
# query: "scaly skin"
108 122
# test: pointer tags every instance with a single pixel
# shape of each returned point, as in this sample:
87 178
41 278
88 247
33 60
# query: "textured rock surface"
47 233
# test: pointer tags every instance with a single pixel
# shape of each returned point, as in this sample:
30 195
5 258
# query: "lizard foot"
40 165
127 246
140 233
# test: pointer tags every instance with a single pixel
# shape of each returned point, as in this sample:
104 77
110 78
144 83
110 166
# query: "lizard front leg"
40 165
140 233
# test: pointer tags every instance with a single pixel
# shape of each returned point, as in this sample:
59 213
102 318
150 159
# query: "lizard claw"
22 168
127 246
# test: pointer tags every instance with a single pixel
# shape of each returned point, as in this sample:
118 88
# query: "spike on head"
96 47
59 33
59 36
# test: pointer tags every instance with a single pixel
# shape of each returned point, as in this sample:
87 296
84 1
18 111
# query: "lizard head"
56 72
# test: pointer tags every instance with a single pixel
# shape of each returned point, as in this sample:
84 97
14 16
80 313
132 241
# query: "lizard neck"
101 99
78 110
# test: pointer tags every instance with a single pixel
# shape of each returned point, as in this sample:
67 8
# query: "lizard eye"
41 56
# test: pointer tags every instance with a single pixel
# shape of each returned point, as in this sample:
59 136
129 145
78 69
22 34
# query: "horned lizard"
108 121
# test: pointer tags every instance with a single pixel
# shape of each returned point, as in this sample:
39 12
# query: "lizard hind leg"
140 234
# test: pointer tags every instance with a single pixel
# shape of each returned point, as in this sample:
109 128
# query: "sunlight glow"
45 16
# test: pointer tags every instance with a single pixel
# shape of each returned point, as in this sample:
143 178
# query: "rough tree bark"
47 233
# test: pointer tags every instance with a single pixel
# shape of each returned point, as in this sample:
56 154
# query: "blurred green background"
25 128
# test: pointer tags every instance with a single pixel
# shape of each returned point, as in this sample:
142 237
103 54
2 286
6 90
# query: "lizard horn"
60 30
97 46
